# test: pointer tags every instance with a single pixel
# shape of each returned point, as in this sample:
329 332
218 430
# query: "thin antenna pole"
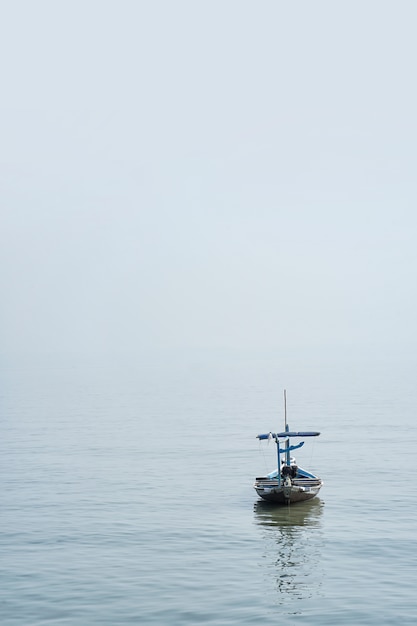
287 445
285 408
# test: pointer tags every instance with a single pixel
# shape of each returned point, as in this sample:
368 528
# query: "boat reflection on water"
302 514
293 547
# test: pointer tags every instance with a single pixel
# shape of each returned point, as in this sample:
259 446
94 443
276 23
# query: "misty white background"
180 175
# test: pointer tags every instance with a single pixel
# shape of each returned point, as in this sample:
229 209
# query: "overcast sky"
187 174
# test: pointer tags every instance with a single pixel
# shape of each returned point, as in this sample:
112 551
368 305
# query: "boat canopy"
290 433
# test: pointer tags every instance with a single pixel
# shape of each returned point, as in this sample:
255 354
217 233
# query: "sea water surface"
127 494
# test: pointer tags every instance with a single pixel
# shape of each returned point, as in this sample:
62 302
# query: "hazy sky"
194 174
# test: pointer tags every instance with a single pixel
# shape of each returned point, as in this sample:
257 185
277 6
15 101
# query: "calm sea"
126 492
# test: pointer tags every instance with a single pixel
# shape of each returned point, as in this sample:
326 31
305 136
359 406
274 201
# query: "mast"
287 428
285 409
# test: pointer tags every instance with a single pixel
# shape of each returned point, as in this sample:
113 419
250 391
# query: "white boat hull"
287 492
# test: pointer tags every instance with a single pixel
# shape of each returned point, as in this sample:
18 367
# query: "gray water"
127 492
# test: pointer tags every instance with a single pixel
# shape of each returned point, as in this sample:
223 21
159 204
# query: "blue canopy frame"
290 433
286 436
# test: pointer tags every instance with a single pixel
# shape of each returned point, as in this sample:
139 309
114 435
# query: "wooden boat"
288 483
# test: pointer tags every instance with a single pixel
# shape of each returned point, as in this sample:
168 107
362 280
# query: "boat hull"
297 491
